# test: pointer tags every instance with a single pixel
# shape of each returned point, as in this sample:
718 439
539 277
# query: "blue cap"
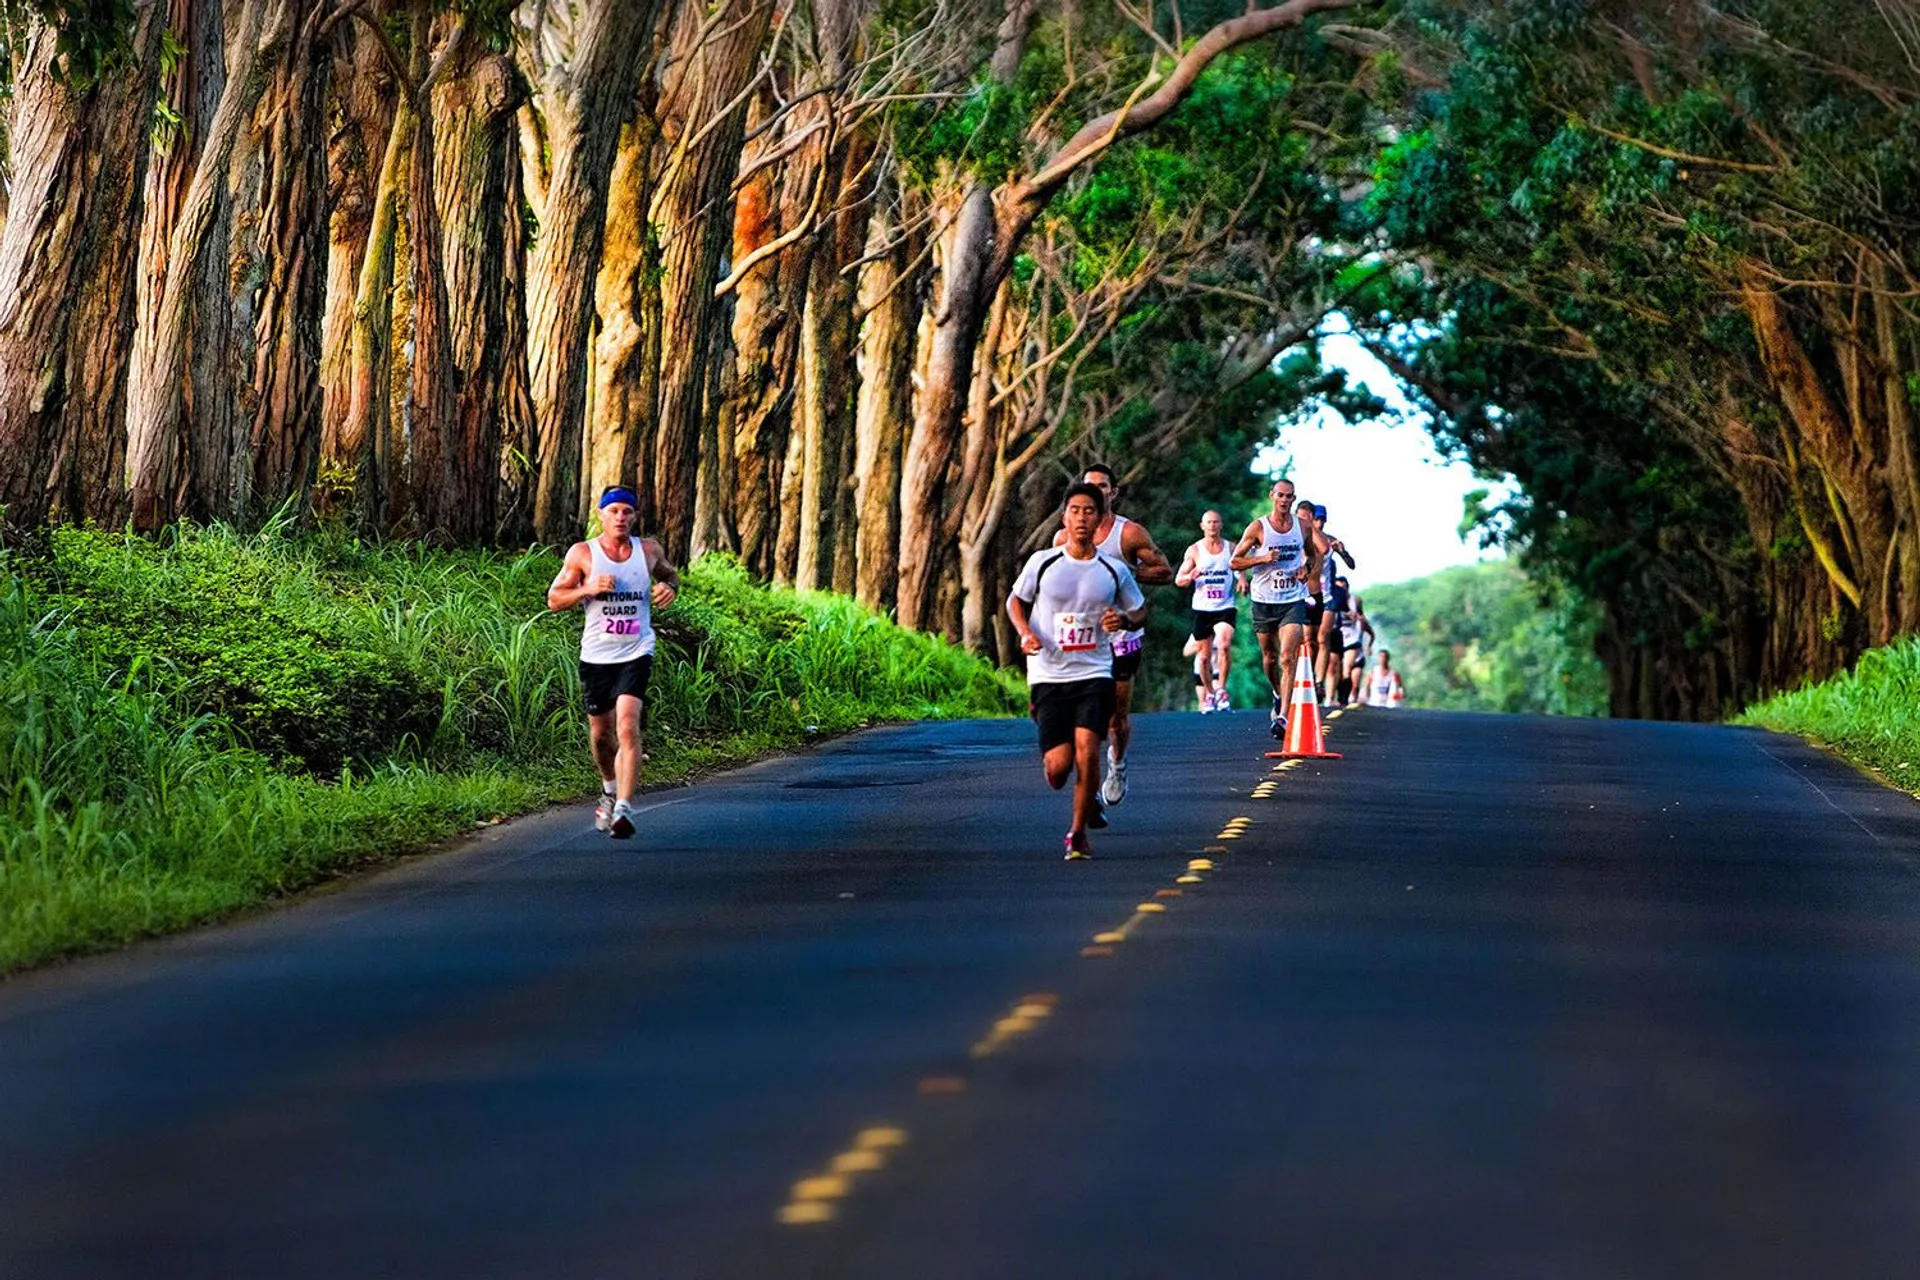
617 494
1319 513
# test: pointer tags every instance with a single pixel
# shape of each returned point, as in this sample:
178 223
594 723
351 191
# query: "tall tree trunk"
702 121
290 249
476 157
433 412
364 95
626 364
67 257
890 289
766 332
583 103
156 387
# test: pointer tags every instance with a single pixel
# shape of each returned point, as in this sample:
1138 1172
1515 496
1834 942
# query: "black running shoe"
1099 819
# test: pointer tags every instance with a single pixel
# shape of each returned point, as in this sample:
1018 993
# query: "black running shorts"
1127 665
1205 621
1059 709
604 682
1315 611
1271 617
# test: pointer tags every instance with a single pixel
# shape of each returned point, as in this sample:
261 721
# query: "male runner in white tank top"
1128 542
1207 567
621 582
1283 558
1383 683
1068 605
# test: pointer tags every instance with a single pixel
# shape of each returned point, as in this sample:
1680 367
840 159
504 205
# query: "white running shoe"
1221 702
1114 789
621 828
603 813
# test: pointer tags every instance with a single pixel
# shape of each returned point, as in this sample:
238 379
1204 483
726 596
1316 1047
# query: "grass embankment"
1870 715
193 727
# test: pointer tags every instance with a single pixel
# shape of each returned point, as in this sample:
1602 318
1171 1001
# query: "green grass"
1870 715
194 726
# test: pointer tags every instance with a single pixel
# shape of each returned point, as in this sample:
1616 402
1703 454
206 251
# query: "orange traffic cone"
1303 725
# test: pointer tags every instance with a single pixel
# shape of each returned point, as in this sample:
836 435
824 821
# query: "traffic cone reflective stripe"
1303 725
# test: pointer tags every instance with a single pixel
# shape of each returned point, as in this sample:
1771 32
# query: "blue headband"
612 496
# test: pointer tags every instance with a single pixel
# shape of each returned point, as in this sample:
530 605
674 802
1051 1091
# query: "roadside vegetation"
195 725
1870 715
1485 637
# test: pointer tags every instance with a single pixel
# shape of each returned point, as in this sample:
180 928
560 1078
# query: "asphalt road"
1489 997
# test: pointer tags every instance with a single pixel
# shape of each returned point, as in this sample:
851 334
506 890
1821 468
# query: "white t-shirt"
1065 600
619 622
1274 583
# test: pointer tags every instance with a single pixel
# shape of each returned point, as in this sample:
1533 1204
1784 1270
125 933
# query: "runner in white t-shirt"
1127 541
1207 567
621 581
1068 605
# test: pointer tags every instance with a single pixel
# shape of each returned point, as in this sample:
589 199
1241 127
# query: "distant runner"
1356 638
1383 683
620 590
1128 542
1069 605
1282 557
1327 639
1207 567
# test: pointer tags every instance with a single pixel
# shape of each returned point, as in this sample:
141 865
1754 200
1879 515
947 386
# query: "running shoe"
1099 819
1114 789
621 828
1206 704
1221 702
603 813
1077 846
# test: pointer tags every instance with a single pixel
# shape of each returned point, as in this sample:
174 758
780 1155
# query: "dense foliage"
1484 637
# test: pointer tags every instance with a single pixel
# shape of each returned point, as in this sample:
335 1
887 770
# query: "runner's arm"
574 583
1017 615
1340 549
666 578
1188 565
1241 560
1149 563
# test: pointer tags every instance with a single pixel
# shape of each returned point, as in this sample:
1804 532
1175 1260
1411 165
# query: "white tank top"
1382 687
1127 641
619 622
1212 578
1273 583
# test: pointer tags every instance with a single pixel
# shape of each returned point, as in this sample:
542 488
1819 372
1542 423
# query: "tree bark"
584 101
155 390
290 236
67 258
473 176
890 299
702 121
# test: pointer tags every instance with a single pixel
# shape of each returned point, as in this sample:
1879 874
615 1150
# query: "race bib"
1076 632
1216 594
1125 645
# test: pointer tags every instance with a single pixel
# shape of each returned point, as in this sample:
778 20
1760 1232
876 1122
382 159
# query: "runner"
1357 638
1383 683
1207 567
620 590
1202 686
1128 542
1333 593
1283 556
1069 605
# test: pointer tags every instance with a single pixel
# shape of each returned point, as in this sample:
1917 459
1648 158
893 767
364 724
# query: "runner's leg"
627 760
1086 763
1222 658
605 740
1058 763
